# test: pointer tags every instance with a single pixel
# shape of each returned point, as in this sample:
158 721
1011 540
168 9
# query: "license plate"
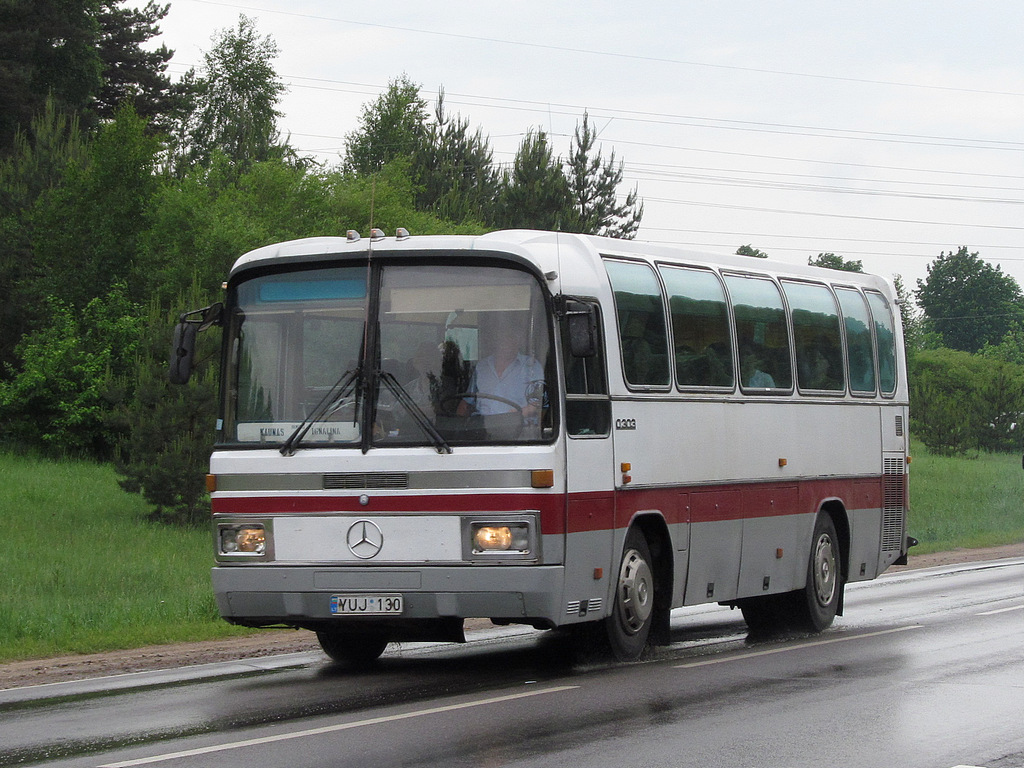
363 605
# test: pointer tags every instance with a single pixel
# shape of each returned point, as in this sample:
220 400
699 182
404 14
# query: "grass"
84 570
965 502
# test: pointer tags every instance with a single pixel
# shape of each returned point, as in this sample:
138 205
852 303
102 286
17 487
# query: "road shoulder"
276 642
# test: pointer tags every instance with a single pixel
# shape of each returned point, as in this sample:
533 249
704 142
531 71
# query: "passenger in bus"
424 389
508 374
752 366
814 369
719 361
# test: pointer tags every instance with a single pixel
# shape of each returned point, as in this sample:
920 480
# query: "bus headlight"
511 538
242 539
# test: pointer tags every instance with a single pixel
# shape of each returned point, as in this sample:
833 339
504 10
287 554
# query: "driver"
508 374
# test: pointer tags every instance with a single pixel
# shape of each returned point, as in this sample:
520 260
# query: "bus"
549 429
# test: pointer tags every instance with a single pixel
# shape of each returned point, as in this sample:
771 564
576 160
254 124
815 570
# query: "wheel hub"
636 592
824 569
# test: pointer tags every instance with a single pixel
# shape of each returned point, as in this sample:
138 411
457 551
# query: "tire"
766 616
815 606
629 625
354 650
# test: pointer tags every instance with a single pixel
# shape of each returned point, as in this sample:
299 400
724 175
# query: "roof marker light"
376 235
402 234
352 236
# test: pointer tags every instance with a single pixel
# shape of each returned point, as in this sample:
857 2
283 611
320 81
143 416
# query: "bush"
961 402
60 398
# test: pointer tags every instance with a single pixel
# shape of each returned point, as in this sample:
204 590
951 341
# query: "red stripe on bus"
596 510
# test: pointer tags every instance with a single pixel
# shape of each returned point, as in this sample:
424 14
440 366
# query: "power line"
730 206
614 54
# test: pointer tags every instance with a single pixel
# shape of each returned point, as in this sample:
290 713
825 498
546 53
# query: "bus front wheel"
629 625
817 603
354 650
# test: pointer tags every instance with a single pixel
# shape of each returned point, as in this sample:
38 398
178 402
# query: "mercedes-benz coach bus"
549 429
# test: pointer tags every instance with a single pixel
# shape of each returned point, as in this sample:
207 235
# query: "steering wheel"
486 396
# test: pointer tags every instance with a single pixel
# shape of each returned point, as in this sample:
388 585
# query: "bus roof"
575 258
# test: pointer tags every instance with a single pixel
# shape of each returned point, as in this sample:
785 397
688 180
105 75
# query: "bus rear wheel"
629 625
354 650
815 606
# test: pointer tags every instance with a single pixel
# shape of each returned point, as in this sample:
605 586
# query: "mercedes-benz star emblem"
365 539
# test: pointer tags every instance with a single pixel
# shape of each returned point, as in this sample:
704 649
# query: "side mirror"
183 345
582 321
183 351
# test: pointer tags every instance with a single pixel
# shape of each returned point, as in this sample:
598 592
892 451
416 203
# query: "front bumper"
264 595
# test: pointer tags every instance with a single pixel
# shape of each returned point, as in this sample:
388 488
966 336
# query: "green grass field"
965 503
85 571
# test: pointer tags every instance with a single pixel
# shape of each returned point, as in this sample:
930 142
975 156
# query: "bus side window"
641 315
587 405
761 333
700 328
859 349
819 349
885 339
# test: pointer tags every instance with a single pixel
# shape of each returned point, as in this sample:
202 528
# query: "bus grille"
366 481
894 492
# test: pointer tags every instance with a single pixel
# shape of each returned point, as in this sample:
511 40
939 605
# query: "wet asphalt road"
925 669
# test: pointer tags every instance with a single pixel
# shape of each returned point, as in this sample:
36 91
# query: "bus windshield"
451 355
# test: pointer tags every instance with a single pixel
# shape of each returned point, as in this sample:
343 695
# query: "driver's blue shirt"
512 384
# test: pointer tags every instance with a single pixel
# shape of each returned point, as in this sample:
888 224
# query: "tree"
831 261
167 431
47 49
535 193
392 126
234 100
749 250
132 74
38 161
88 231
593 185
453 169
961 402
910 316
967 301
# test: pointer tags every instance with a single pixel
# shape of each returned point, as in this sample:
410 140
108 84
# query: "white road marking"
814 644
335 728
1001 610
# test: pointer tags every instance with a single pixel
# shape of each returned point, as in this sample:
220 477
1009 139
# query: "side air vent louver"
579 608
894 494
366 481
899 426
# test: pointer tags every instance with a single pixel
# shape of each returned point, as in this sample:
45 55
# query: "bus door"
590 507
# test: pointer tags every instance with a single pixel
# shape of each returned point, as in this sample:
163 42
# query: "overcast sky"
881 131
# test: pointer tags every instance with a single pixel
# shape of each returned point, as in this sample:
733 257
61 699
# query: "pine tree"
132 74
593 183
535 193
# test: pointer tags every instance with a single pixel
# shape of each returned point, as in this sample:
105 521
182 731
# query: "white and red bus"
549 429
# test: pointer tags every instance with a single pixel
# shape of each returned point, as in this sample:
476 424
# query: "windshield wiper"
421 419
341 389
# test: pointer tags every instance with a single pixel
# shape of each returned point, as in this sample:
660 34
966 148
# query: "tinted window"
761 333
641 316
860 355
700 328
587 405
885 338
819 349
